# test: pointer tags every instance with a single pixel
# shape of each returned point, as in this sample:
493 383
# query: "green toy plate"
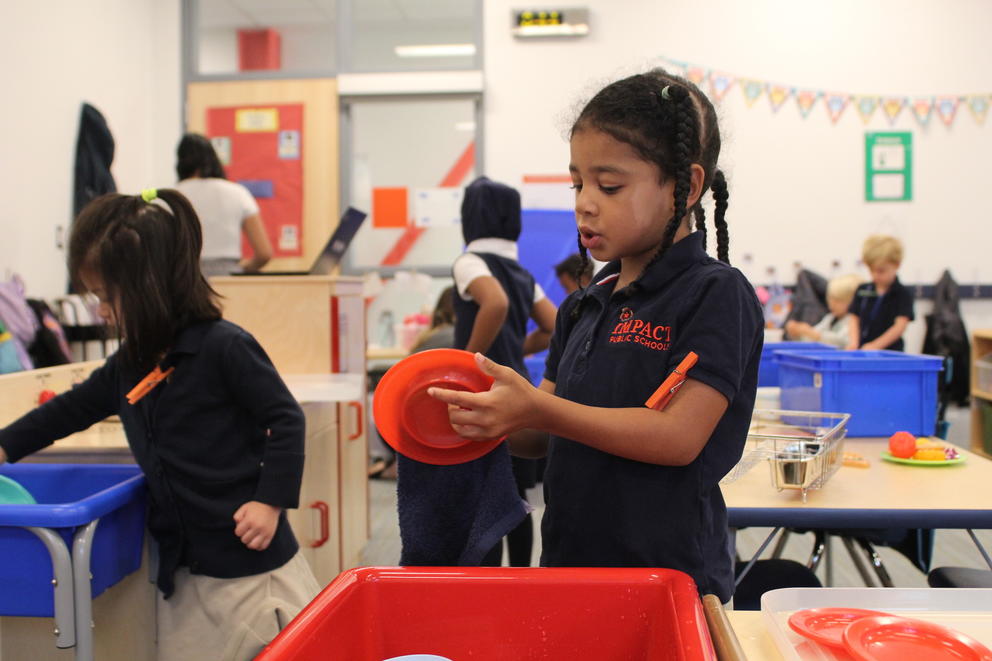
12 493
887 456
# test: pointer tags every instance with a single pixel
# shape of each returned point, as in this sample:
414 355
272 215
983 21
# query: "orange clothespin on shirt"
147 384
660 398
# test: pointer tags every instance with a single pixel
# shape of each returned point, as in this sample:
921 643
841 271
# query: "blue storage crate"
768 368
69 496
884 391
535 367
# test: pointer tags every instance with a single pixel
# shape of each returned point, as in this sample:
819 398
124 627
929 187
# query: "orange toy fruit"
902 444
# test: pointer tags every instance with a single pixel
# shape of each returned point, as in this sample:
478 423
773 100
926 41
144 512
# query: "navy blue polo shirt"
223 430
876 314
608 511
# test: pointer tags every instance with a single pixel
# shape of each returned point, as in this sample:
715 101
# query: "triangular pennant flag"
892 106
866 106
752 90
777 94
979 107
719 84
923 109
836 103
806 99
947 107
696 75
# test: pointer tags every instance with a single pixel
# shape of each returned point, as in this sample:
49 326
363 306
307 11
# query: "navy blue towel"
454 515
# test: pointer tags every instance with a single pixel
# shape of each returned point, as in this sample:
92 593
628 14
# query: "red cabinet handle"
325 523
358 417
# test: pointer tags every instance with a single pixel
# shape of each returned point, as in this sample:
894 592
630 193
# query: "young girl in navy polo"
627 485
212 425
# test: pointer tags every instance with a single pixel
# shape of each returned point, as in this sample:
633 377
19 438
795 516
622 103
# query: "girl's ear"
696 176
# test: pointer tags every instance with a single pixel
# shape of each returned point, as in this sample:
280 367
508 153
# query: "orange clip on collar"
147 384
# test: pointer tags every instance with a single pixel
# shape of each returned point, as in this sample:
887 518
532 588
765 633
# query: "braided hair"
670 123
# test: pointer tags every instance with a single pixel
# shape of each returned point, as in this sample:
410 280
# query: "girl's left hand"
256 524
504 408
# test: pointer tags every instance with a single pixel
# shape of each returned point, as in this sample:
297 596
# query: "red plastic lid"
887 637
826 625
414 423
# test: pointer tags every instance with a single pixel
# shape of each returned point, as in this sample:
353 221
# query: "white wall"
797 186
121 56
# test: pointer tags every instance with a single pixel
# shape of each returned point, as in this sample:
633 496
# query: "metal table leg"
757 555
981 549
62 585
82 549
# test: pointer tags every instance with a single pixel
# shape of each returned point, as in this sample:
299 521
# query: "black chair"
766 575
959 577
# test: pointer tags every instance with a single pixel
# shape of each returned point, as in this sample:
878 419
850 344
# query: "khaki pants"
231 619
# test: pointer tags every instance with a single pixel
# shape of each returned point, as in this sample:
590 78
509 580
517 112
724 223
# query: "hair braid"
700 214
684 146
721 195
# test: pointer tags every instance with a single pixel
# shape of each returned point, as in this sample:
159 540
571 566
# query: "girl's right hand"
506 407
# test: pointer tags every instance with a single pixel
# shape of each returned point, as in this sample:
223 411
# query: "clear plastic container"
968 610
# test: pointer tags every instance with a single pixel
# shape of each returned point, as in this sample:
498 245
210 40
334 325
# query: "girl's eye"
576 187
609 190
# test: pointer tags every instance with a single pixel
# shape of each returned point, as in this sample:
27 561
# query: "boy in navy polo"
882 308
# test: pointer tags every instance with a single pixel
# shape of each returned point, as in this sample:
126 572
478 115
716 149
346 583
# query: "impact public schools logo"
651 335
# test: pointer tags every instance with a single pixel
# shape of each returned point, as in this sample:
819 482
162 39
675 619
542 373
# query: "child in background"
626 485
835 328
882 308
573 273
217 434
494 297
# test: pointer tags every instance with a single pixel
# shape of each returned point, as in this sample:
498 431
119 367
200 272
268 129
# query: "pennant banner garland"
922 108
806 99
777 94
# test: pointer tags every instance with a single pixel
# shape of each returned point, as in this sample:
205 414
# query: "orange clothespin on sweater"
147 384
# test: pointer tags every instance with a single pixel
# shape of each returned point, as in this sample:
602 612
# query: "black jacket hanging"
809 302
94 154
946 336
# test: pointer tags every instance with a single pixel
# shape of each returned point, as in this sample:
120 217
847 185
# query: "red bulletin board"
261 147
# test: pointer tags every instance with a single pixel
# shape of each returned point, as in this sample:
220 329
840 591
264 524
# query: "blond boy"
882 308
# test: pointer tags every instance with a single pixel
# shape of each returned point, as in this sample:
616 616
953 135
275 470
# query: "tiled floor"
953 547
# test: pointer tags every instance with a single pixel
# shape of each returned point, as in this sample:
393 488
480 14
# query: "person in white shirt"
226 209
835 328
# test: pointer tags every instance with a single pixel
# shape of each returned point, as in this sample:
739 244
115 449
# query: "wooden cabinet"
981 393
308 324
332 522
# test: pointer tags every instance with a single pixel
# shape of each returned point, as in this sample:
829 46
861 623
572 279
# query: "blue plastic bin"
884 391
768 368
535 367
69 496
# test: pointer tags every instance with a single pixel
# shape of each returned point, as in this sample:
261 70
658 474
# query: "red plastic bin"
500 614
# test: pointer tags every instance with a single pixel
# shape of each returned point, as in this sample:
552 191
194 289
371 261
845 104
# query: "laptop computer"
333 250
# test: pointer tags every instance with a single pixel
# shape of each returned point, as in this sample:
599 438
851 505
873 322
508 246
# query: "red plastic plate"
891 638
826 625
415 424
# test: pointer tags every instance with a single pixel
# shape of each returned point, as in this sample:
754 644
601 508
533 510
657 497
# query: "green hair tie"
666 92
149 194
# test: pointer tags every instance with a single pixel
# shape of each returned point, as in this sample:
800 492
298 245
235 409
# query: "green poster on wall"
888 166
